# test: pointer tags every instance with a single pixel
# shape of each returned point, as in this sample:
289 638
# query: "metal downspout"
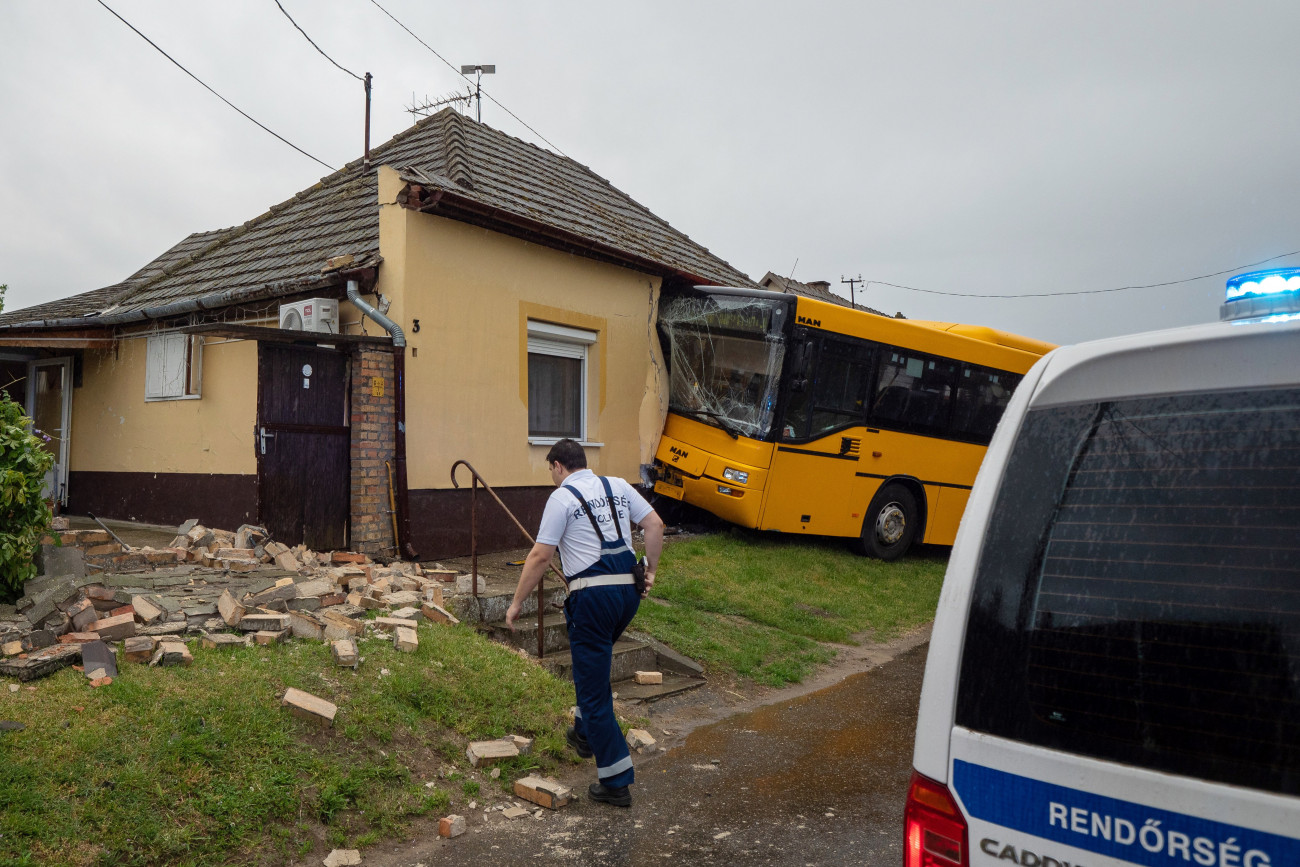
403 543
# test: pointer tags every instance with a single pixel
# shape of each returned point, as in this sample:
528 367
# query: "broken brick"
308 706
405 639
438 614
646 677
345 652
451 826
145 610
222 640
487 752
116 628
640 740
543 792
230 609
171 652
304 625
139 648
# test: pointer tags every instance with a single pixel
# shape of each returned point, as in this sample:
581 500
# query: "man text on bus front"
581 516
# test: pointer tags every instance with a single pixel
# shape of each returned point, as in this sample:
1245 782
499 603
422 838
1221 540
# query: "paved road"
817 780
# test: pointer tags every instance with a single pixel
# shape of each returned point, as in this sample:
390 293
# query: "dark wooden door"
302 443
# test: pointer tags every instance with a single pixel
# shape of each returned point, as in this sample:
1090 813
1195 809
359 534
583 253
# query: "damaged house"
319 369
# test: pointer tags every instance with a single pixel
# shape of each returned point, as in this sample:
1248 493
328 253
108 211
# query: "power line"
317 47
453 68
1088 291
211 91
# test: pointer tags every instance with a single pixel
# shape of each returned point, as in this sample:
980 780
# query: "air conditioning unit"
314 314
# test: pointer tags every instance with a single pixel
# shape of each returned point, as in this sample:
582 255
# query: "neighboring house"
524 287
819 289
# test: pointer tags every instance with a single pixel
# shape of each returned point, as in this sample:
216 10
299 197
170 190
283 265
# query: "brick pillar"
374 428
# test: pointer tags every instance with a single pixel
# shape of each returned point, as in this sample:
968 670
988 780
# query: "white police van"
1114 673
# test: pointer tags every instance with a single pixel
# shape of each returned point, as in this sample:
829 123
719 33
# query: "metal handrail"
475 481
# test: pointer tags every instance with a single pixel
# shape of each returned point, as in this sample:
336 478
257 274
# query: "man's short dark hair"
569 454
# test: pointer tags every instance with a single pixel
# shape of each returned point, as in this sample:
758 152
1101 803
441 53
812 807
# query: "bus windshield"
725 354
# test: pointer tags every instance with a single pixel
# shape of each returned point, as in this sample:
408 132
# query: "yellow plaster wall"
473 292
114 429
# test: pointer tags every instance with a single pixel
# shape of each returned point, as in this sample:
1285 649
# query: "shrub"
24 514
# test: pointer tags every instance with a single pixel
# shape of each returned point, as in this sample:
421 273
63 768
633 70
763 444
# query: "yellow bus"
802 416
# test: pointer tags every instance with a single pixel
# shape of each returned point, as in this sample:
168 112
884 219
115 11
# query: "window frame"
563 341
189 381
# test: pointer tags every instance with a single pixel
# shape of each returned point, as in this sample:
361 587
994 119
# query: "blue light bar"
1262 293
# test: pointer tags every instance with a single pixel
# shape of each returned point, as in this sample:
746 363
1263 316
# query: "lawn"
765 606
201 765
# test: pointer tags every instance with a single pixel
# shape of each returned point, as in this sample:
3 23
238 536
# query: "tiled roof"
819 291
475 167
283 250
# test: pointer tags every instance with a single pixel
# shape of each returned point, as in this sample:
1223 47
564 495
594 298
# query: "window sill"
175 397
550 441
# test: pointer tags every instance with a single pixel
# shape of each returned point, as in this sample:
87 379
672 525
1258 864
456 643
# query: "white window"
173 366
557 382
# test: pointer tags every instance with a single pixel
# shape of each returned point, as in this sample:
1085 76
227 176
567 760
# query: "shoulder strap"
582 502
613 509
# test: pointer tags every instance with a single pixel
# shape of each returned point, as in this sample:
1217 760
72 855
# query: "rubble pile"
222 588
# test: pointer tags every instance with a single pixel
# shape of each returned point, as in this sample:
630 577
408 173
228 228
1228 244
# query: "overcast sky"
986 148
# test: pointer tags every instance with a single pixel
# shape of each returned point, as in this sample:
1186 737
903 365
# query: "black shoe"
579 743
619 797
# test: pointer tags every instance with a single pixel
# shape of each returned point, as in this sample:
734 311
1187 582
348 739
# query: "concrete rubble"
220 587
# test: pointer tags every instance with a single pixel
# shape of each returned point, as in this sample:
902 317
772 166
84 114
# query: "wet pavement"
815 780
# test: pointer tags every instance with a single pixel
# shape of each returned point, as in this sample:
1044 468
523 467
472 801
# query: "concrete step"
643 693
629 658
492 604
554 635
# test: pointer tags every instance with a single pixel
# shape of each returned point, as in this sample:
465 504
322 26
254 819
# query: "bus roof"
991 335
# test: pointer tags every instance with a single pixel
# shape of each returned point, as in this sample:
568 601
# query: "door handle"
262 434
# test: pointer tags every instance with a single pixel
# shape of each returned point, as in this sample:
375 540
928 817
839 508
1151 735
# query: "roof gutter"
403 540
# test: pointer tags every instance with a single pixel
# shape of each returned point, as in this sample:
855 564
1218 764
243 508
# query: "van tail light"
934 828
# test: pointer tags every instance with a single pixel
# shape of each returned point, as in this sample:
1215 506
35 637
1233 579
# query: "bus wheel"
891 523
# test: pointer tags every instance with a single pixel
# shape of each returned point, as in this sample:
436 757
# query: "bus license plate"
669 490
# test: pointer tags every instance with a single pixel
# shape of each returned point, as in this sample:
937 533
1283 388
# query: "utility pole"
851 281
481 69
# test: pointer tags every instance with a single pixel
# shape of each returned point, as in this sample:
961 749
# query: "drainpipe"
403 542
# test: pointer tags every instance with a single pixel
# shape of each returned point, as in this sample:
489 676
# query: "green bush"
24 514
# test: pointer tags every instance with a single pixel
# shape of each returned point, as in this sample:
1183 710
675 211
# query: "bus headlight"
740 477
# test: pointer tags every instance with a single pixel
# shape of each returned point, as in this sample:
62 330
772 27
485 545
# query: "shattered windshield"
725 355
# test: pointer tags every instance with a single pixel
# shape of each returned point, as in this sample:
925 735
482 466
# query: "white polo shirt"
565 524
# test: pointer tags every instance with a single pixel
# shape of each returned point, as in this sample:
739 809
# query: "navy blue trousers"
596 617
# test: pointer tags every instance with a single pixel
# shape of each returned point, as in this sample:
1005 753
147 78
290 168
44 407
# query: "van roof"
1246 353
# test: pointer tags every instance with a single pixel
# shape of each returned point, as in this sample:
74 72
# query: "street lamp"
479 69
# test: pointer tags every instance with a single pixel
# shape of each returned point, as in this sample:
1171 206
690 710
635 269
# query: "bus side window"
840 386
982 396
913 392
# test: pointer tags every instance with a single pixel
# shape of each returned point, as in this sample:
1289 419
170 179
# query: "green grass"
201 765
763 605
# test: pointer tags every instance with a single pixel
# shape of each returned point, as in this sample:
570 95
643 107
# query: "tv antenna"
428 107
479 70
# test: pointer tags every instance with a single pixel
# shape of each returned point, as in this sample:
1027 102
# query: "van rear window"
1137 597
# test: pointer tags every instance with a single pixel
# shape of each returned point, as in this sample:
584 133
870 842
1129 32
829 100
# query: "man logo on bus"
679 453
804 320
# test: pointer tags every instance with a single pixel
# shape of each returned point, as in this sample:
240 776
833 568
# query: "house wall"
153 461
473 292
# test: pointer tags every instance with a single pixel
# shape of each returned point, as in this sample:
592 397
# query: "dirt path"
670 720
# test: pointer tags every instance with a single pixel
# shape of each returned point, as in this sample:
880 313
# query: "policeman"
586 517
